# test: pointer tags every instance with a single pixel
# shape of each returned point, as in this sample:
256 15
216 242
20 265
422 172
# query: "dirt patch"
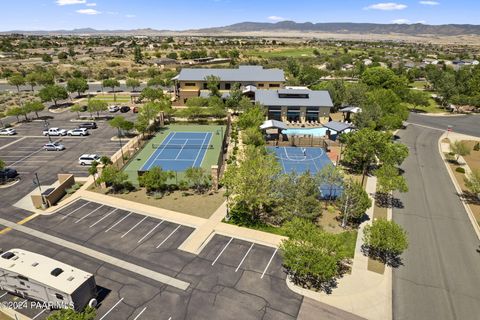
199 205
329 220
473 159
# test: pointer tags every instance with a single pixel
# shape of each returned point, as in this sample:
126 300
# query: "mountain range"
259 28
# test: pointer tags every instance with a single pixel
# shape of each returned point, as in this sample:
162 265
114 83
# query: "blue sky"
187 14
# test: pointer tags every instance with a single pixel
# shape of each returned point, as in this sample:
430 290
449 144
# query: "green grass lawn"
432 108
211 155
109 98
287 52
419 84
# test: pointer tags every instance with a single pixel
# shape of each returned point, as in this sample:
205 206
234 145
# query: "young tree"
45 78
233 101
459 148
46 58
252 117
253 136
389 179
111 83
198 177
252 181
15 112
472 182
141 125
155 179
156 81
353 202
16 80
34 106
69 314
313 258
330 178
132 83
95 105
93 170
121 124
385 240
78 85
31 79
151 94
213 84
137 55
53 93
114 178
298 197
76 108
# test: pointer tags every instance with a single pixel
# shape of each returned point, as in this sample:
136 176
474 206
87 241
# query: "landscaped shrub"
74 188
476 147
460 170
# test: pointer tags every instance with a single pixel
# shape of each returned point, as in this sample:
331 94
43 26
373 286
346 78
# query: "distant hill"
258 28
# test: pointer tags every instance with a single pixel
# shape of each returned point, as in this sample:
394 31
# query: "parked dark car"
124 109
8 173
87 125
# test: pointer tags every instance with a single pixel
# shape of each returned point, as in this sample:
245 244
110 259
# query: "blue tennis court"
180 151
300 160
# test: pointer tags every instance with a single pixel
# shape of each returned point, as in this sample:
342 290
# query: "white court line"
38 314
116 223
200 151
268 264
88 214
83 205
3 295
146 235
222 251
183 146
104 217
163 148
116 304
246 254
164 240
133 227
138 315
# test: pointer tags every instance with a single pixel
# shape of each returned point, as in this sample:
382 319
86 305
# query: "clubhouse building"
265 86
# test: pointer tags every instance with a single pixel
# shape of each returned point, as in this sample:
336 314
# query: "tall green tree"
155 179
313 258
16 80
233 101
198 178
213 84
252 182
459 148
253 136
15 112
472 181
121 124
151 94
53 93
114 178
385 240
132 83
95 105
111 83
35 106
389 179
353 202
330 178
137 55
31 79
76 108
253 117
78 85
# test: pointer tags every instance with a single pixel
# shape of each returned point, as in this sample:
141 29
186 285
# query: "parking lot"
229 279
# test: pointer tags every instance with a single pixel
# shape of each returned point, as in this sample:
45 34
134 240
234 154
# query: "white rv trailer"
40 278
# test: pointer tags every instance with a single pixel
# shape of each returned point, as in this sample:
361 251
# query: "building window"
274 85
261 85
205 86
189 84
58 296
22 283
228 86
22 278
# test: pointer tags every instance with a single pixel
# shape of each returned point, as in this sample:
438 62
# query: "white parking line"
246 254
3 295
146 235
9 144
268 264
123 235
104 217
83 205
164 240
222 251
140 313
116 304
38 314
88 214
118 222
29 155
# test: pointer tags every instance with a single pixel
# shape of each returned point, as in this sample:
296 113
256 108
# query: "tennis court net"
182 146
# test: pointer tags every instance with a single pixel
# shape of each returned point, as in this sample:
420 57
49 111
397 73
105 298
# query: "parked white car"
8 132
54 146
87 159
113 108
55 132
78 132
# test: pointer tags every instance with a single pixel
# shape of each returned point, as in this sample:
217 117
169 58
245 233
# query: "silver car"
8 132
55 146
78 132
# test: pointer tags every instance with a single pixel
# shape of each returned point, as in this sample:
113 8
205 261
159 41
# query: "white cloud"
130 16
386 6
422 21
430 3
91 4
113 13
69 2
401 21
88 11
276 18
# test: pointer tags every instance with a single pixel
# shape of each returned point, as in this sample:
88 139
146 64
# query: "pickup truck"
55 132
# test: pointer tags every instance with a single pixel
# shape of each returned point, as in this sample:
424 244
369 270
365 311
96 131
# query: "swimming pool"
316 132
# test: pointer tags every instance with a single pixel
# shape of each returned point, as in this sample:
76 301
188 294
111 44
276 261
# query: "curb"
473 221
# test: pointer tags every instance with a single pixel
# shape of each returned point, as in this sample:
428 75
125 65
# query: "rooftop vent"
56 272
8 255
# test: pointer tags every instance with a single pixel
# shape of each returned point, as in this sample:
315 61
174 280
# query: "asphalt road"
440 278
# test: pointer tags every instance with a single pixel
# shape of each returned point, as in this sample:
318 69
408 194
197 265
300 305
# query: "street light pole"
37 182
47 126
121 146
345 211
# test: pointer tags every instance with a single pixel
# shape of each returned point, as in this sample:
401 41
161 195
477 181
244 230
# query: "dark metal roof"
337 126
242 74
315 98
